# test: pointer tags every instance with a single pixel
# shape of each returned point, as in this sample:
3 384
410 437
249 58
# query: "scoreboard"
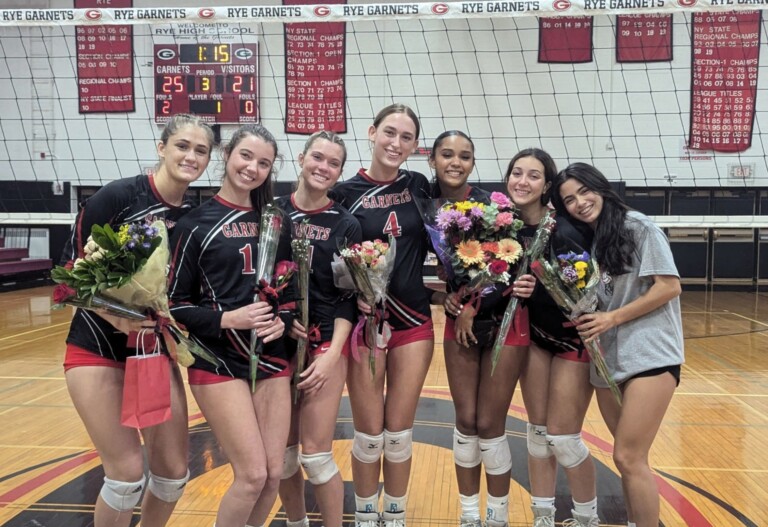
215 81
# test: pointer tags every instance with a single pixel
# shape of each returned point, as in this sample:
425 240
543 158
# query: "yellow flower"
581 284
581 269
122 235
509 250
470 252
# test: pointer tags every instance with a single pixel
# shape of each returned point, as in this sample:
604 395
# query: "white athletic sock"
588 508
497 508
470 506
543 503
394 505
369 504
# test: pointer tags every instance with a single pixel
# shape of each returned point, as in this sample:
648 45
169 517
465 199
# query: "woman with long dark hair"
638 323
212 287
555 378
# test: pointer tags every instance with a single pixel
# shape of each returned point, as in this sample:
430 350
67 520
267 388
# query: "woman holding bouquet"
481 402
382 198
211 289
96 352
638 322
555 379
326 225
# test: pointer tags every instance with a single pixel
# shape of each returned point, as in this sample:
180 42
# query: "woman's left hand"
524 286
317 373
269 330
592 325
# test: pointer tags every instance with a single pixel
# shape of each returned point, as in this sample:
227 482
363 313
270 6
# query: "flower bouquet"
300 248
270 227
481 243
366 267
534 251
124 273
571 280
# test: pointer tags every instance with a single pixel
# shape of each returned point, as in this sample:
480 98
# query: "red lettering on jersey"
311 232
240 230
387 200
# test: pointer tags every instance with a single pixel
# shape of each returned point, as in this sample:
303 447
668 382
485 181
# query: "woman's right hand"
251 316
297 331
363 306
462 327
452 304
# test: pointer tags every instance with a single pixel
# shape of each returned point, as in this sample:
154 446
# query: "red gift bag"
146 391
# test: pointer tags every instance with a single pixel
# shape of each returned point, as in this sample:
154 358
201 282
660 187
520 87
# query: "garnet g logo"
206 12
440 9
93 14
165 54
686 3
561 5
322 11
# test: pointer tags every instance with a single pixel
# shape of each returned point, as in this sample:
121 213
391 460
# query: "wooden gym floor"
711 455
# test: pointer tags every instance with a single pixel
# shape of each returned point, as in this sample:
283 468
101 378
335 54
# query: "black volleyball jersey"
545 317
129 200
384 208
327 229
214 253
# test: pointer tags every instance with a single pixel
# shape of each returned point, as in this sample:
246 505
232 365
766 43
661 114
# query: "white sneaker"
579 520
470 522
543 516
393 519
367 519
496 523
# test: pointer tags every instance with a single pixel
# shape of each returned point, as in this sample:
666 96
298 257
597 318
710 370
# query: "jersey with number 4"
215 249
327 229
388 208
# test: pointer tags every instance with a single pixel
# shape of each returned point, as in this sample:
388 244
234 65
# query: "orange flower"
509 250
490 247
470 252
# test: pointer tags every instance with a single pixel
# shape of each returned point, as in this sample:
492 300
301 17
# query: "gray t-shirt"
655 339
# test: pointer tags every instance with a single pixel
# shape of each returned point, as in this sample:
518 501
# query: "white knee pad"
122 496
496 455
290 461
320 468
466 450
569 450
538 446
367 449
168 490
398 446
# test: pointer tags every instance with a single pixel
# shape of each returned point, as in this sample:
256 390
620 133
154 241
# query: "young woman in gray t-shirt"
638 322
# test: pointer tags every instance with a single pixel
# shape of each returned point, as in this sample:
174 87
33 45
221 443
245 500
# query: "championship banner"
643 38
726 52
105 64
315 87
565 39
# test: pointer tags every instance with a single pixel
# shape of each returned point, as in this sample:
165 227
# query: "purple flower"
146 245
475 212
464 223
570 275
131 245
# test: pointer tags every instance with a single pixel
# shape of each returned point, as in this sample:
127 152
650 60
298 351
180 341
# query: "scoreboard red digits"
218 82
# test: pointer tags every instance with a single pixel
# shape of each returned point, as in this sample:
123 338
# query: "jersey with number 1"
215 250
388 207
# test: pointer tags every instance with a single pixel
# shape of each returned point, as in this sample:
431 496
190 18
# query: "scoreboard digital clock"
218 82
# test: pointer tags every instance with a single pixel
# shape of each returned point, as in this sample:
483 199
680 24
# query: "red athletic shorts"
322 347
76 356
407 336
